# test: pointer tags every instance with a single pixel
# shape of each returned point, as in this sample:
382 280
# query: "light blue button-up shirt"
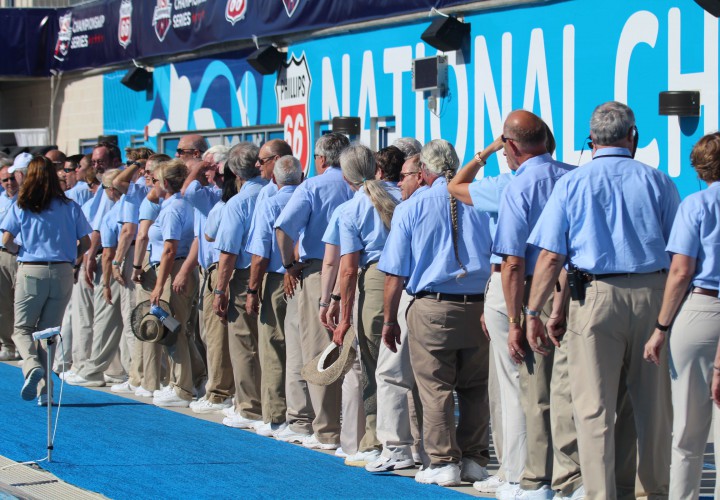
149 210
696 233
79 193
362 229
48 236
420 247
522 203
110 227
203 199
486 194
262 240
131 202
236 219
174 222
268 191
212 224
308 212
613 215
6 204
102 205
331 236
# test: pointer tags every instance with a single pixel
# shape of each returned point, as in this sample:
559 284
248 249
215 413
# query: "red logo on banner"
62 47
235 10
292 89
161 18
290 6
125 24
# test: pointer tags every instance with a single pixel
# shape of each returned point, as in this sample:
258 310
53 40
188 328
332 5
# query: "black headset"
635 139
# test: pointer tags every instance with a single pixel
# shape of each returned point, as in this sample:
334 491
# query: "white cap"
21 162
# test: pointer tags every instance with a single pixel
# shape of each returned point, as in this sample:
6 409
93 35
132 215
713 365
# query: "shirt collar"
612 152
535 160
255 180
174 196
287 189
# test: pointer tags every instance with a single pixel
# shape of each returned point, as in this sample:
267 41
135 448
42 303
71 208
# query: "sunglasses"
505 139
131 163
405 174
263 161
69 170
182 151
8 179
154 180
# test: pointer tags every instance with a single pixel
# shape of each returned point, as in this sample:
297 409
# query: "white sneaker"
205 406
239 422
472 471
362 458
76 379
489 485
124 388
165 389
312 442
229 411
508 491
170 400
42 400
65 375
387 464
269 429
29 388
578 494
288 435
542 493
143 393
109 379
8 355
444 475
340 453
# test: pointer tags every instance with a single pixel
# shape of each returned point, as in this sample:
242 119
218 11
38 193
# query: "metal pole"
49 387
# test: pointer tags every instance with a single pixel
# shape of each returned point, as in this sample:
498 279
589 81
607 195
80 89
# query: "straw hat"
148 327
331 364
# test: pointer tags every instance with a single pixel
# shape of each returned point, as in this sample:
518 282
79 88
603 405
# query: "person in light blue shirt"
692 309
611 219
364 224
439 250
267 264
170 239
231 288
303 221
8 270
54 235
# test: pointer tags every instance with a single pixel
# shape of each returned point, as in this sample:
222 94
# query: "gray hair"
408 145
439 156
5 160
610 123
287 171
358 168
330 146
219 153
241 160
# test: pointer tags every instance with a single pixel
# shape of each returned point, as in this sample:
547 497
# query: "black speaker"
679 103
137 79
348 125
446 33
266 60
712 6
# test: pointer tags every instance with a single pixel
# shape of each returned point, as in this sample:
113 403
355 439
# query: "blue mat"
126 449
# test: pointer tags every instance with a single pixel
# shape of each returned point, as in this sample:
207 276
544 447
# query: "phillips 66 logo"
292 89
235 10
125 23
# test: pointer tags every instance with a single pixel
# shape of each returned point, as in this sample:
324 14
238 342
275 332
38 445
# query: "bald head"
527 131
56 156
191 146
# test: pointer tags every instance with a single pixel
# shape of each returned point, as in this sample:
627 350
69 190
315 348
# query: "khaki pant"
147 356
448 353
107 332
243 344
220 384
8 271
127 304
607 333
326 400
299 408
693 344
180 370
371 286
83 316
272 349
353 411
41 295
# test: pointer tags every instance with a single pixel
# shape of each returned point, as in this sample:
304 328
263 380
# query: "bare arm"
226 266
127 236
194 172
107 257
347 275
9 243
163 271
513 283
459 185
124 178
329 273
258 266
547 270
391 303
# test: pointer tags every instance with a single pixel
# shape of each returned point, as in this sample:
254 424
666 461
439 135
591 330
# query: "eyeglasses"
182 151
405 174
154 180
69 170
263 161
318 156
505 139
8 179
99 163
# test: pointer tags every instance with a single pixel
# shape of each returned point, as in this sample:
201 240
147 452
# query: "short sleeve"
296 214
172 225
396 258
685 234
260 237
513 226
550 231
11 222
230 232
350 240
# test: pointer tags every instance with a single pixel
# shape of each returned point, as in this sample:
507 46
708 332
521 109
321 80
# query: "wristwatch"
116 263
479 159
334 297
530 312
251 291
290 266
217 291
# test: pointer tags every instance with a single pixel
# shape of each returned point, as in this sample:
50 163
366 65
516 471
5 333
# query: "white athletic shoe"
239 422
313 443
362 458
388 464
472 471
489 485
288 435
124 388
141 392
444 475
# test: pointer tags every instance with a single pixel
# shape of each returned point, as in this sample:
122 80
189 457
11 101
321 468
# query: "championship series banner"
116 31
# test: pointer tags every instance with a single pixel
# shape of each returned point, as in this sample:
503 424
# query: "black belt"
451 297
3 249
590 277
44 263
705 291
